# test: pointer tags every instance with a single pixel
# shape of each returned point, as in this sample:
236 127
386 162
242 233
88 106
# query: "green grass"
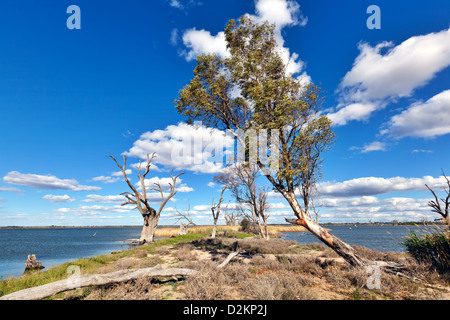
433 247
87 265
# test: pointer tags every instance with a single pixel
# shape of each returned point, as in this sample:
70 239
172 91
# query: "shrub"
433 248
246 225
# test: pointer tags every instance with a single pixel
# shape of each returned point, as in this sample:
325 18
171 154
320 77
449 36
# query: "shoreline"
329 224
320 274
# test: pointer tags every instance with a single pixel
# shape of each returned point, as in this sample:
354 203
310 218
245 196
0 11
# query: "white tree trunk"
340 247
213 235
148 231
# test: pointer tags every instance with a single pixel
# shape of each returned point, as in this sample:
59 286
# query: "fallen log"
89 280
228 259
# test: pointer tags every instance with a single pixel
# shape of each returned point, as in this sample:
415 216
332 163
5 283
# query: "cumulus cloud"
153 197
165 184
94 210
199 42
385 73
184 147
114 177
10 189
45 182
373 146
104 199
56 198
427 119
106 179
371 208
184 5
369 186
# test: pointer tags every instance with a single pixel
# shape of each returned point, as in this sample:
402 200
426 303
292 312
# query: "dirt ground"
268 270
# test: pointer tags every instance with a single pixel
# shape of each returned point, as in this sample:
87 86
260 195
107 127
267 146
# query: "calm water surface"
53 246
381 238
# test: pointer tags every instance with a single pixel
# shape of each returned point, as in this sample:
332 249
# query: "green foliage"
246 225
433 248
268 98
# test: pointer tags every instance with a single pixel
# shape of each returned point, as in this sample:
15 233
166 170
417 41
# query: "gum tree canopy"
250 89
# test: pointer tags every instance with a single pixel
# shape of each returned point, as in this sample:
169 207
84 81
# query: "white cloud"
45 182
55 198
120 174
372 208
114 177
184 147
176 4
373 146
10 189
283 13
201 41
165 184
106 179
153 197
174 37
353 111
378 77
369 186
422 151
184 5
423 119
104 199
94 210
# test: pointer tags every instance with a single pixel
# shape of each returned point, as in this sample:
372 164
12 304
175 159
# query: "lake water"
377 237
53 246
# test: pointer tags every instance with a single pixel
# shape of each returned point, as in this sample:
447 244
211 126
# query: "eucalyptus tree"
250 89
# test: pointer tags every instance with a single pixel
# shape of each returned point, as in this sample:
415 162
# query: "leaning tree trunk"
340 247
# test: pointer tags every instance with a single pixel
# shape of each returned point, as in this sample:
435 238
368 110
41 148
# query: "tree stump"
32 263
183 228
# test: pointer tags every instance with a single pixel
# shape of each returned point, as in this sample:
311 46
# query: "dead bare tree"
139 198
435 204
231 219
241 179
185 215
215 209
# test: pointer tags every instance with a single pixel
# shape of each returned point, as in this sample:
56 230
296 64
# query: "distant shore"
329 224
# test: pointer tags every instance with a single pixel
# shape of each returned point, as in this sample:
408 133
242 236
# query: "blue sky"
69 98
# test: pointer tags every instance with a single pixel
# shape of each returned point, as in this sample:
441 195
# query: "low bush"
432 247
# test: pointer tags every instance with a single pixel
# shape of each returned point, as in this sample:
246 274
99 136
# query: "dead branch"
228 259
89 280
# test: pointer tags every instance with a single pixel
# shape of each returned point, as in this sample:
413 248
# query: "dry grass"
283 285
266 270
139 289
209 284
273 230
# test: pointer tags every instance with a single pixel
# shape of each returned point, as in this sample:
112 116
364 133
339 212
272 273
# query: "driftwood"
32 263
88 280
228 259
